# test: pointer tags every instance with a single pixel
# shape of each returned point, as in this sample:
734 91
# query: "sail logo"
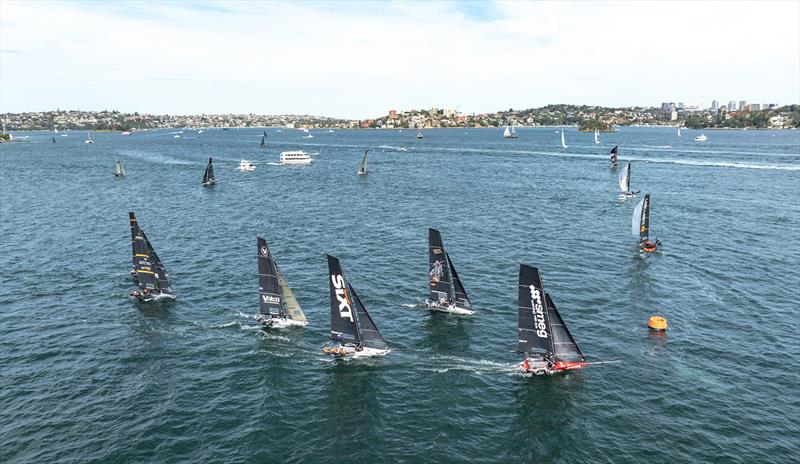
264 251
436 272
436 250
538 312
270 299
345 311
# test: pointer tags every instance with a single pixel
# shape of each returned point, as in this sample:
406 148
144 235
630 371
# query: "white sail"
507 132
563 144
623 178
636 219
596 136
679 132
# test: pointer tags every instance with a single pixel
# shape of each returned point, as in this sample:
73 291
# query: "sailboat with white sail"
597 136
679 131
278 307
542 336
640 226
208 175
447 293
563 143
151 275
88 138
625 181
510 133
119 169
353 332
362 169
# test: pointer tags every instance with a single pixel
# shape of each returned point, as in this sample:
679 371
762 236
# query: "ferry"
295 157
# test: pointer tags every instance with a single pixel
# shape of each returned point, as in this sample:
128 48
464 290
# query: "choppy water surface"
86 375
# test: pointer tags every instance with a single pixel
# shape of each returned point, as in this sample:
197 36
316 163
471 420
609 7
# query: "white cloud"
358 60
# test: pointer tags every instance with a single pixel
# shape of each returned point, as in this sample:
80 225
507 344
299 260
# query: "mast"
362 170
458 288
343 322
533 322
368 332
564 346
269 292
438 268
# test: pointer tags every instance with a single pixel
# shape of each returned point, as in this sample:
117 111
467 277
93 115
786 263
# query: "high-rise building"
742 105
665 106
732 105
714 106
681 105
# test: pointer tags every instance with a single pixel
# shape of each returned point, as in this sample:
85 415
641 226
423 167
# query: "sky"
356 59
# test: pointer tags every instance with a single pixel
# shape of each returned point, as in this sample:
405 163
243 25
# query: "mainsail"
343 322
264 140
564 346
507 132
640 222
563 143
625 179
208 176
150 272
596 136
533 323
438 268
362 169
269 292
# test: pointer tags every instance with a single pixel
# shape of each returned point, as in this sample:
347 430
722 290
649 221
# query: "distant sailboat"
510 133
563 144
614 156
208 176
88 138
119 170
447 293
419 135
54 139
352 330
679 132
640 225
625 181
278 307
150 272
542 336
596 136
701 138
264 140
362 169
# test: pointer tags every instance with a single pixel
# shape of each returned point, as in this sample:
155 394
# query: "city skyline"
357 60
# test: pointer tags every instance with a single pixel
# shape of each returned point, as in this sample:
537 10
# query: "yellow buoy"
657 323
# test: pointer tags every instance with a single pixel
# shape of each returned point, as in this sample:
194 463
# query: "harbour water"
87 375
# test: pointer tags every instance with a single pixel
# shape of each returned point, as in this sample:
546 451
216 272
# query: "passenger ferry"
295 157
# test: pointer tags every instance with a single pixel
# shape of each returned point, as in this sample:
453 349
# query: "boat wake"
444 363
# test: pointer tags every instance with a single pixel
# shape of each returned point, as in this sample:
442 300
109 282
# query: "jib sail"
564 346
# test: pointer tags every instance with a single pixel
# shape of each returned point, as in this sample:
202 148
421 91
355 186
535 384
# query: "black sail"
369 333
269 292
644 226
628 185
264 140
343 319
564 346
533 327
208 176
362 169
438 268
145 270
459 292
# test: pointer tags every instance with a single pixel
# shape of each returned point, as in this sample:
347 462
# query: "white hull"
351 352
298 162
452 309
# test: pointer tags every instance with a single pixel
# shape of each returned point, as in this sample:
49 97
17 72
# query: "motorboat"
295 157
245 165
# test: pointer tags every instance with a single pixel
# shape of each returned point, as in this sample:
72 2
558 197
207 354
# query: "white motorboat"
295 157
245 165
701 138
